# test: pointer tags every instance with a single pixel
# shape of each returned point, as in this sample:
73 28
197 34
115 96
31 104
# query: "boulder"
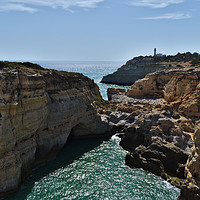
164 156
115 91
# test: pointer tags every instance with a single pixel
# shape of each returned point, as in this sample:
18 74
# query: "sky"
97 30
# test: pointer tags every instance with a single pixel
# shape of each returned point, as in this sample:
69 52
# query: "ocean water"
93 169
93 70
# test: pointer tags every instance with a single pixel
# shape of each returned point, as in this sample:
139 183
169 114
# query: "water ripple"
99 173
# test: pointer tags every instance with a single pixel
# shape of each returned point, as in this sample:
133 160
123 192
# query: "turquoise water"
93 70
93 169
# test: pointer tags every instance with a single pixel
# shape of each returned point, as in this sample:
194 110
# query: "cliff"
132 71
161 127
191 188
139 67
39 109
157 119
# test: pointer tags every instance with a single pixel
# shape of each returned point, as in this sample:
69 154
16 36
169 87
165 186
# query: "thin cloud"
155 3
170 16
17 7
32 5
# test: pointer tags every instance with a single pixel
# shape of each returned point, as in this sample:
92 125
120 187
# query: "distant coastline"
138 67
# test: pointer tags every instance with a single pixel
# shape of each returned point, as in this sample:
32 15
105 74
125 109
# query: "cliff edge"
139 67
39 109
161 128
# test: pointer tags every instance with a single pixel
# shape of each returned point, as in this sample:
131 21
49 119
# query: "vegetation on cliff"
33 67
39 109
6 64
140 66
193 58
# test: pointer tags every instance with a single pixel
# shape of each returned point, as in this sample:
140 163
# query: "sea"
92 169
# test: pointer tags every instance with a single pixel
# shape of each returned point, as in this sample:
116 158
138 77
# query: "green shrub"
180 66
101 103
190 70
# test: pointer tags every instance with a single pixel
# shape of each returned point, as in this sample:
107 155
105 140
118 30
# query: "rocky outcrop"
114 91
39 109
159 157
180 87
133 70
191 188
155 136
162 126
150 86
157 120
138 67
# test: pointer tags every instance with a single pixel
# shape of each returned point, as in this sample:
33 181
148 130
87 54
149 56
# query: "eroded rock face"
163 133
38 111
114 91
194 161
133 70
159 157
181 85
191 188
178 86
150 86
156 140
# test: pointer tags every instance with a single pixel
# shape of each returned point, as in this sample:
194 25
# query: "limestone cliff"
133 70
161 129
179 86
39 109
139 67
191 188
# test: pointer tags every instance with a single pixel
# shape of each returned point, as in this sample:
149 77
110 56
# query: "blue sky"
97 30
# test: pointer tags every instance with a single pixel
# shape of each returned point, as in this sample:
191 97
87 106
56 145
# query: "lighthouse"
154 51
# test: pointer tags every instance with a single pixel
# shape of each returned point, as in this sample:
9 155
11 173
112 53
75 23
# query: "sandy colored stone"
38 111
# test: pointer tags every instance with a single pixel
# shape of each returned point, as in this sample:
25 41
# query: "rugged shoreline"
157 119
161 127
139 67
39 109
